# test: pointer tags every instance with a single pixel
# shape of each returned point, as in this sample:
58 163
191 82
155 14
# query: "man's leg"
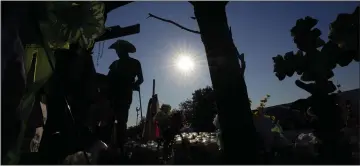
121 128
165 135
122 114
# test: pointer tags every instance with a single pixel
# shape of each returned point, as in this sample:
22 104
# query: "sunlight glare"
185 63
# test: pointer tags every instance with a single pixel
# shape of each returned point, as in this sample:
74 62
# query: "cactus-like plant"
315 59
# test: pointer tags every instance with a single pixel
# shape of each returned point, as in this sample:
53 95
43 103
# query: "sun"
185 63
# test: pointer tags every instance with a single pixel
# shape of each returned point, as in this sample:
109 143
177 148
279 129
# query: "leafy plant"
338 86
200 110
314 62
315 59
262 105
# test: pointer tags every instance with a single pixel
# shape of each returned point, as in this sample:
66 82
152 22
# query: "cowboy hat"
123 44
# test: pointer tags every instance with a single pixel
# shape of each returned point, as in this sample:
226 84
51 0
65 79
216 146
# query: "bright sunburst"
185 63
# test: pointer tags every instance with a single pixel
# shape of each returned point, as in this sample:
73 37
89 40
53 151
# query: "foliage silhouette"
134 132
314 61
341 48
200 110
187 108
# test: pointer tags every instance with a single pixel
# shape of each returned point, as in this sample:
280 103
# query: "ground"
202 149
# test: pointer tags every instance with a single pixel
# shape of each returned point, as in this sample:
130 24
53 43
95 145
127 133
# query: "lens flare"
185 63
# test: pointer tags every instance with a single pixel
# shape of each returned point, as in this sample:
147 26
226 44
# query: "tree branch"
172 22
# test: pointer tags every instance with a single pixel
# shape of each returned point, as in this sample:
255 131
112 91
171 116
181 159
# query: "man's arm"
111 68
139 75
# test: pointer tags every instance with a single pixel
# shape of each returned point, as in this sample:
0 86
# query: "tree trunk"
235 116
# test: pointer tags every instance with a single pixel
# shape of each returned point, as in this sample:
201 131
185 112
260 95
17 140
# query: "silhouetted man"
122 83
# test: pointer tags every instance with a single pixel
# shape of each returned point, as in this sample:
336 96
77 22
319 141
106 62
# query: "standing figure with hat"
122 84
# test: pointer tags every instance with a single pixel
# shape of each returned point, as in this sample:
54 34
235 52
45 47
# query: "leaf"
316 32
331 51
329 74
345 58
280 76
26 107
277 59
299 53
69 24
288 55
306 76
356 57
330 87
319 42
43 69
262 105
344 31
310 87
265 100
310 22
299 72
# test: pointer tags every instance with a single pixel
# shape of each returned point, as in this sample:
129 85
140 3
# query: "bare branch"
172 22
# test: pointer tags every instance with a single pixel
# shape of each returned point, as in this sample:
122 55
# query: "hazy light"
176 68
185 63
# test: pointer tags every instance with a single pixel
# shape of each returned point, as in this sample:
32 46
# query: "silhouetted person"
121 85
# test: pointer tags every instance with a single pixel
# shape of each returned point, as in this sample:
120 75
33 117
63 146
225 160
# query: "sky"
261 30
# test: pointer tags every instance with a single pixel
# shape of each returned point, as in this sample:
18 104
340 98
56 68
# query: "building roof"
352 95
283 112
